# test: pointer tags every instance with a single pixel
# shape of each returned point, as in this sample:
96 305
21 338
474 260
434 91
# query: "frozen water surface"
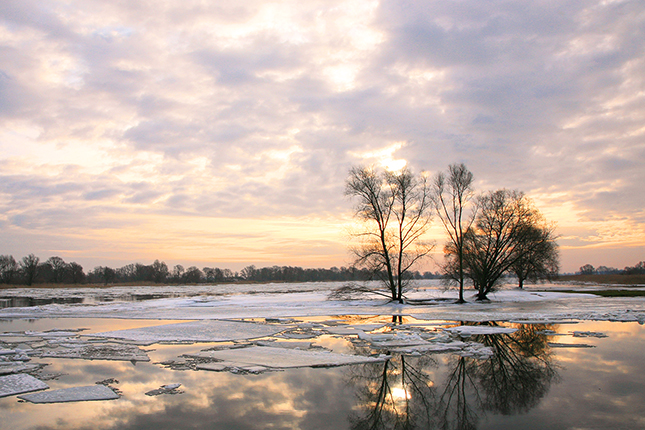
282 358
74 394
220 344
197 331
11 385
467 331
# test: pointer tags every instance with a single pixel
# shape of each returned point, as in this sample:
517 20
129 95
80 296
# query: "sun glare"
384 157
400 394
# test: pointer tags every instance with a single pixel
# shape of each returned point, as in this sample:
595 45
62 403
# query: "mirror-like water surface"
585 375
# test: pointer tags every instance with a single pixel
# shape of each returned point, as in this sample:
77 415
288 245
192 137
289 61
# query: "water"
535 380
31 296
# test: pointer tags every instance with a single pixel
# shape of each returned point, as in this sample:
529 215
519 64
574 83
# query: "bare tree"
192 275
159 271
29 268
75 271
8 269
57 268
178 273
396 208
538 256
502 234
452 198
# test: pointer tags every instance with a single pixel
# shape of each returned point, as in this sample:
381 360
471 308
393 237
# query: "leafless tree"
159 271
75 272
396 209
29 268
57 267
453 198
501 235
538 257
8 269
587 269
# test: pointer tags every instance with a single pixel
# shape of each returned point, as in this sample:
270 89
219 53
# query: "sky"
215 133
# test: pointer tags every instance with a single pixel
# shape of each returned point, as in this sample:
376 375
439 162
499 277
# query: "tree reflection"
520 372
457 406
401 393
397 394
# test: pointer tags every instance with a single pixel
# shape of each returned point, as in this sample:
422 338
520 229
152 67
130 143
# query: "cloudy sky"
220 133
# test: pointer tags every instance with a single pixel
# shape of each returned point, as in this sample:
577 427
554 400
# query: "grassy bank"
605 279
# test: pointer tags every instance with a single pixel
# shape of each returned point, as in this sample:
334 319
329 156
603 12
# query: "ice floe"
165 389
285 344
471 330
588 334
73 394
570 345
281 358
11 385
195 331
14 367
105 351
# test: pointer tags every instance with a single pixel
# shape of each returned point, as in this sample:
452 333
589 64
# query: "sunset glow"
221 134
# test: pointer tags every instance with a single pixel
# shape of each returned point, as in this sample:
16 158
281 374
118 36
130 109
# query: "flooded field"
560 376
287 356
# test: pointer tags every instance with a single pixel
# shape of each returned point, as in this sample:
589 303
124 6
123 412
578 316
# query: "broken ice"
74 394
21 383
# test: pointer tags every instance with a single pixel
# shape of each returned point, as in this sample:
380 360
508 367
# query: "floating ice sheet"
18 339
281 358
165 389
17 384
195 331
439 347
588 334
17 367
74 394
100 352
469 330
570 345
292 345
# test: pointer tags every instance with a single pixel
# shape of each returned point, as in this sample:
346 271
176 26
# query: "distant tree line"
30 270
588 269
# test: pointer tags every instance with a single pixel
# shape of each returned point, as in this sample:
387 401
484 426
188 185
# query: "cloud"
259 109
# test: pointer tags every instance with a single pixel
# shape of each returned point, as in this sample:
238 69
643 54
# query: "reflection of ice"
74 394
